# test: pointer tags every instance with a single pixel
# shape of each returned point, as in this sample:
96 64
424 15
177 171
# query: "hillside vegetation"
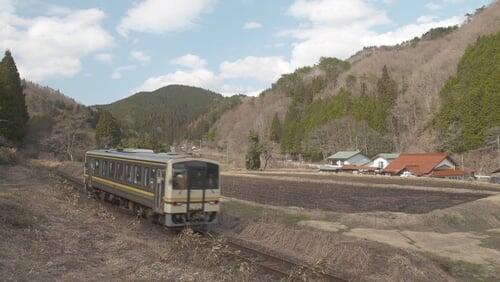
58 125
169 114
381 99
469 117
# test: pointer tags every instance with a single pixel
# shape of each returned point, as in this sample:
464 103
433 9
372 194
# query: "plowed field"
337 197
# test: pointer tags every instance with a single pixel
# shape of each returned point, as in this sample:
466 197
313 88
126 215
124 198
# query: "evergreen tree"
470 100
13 112
252 159
387 88
107 132
276 129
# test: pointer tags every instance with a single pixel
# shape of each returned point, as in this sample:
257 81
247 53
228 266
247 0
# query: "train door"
159 190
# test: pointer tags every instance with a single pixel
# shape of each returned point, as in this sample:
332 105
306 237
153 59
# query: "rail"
271 263
279 265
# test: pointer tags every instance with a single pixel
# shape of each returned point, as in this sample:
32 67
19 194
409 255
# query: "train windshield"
195 175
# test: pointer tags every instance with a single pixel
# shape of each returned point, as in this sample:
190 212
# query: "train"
175 189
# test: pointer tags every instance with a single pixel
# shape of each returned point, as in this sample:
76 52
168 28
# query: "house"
381 161
420 164
342 158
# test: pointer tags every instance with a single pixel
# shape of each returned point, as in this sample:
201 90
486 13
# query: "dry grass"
347 257
52 232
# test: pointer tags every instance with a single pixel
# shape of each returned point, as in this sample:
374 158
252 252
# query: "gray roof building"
348 157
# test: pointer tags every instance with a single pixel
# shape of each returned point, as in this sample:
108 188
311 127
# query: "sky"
101 51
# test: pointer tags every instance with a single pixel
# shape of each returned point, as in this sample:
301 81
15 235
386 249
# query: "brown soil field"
373 179
337 197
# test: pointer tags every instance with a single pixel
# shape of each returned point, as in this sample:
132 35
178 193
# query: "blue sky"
101 51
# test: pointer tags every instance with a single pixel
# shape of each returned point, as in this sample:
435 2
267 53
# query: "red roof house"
420 164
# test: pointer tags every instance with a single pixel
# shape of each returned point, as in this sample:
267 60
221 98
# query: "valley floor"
52 231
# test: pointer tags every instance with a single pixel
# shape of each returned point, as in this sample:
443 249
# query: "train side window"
97 167
104 168
138 175
146 177
131 174
119 171
127 173
152 178
111 169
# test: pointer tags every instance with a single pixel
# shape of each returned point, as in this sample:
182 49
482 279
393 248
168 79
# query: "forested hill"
171 113
469 117
407 97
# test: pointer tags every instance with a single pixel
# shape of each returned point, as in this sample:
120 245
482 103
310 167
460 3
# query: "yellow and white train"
178 190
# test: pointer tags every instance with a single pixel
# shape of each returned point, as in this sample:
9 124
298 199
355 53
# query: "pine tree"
107 132
387 88
276 129
252 159
13 111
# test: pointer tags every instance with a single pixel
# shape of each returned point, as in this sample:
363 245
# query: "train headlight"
213 202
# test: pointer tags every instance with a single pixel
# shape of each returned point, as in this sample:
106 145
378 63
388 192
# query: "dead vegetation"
420 68
52 232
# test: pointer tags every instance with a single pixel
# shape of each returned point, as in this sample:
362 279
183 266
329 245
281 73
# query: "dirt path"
51 232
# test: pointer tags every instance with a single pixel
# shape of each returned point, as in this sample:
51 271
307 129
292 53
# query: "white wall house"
381 161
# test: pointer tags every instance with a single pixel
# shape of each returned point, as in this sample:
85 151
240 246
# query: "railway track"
271 263
278 265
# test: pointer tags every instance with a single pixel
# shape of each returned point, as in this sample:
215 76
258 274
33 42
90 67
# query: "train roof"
138 154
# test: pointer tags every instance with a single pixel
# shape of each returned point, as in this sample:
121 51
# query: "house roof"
387 156
343 155
419 163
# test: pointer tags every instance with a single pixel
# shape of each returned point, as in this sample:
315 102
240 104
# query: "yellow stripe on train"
145 193
122 187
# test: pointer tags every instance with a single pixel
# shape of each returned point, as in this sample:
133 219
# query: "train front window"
198 175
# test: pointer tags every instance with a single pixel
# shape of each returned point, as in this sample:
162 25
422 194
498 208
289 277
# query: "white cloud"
252 25
432 6
159 16
263 69
338 28
198 77
140 56
339 12
118 72
331 28
189 61
426 18
104 57
52 46
408 32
